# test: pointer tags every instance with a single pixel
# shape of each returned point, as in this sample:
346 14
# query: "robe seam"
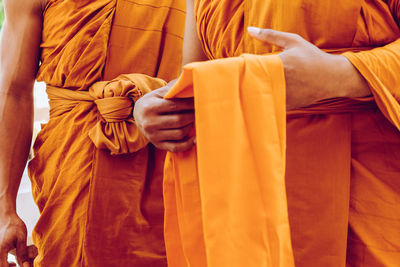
148 30
152 6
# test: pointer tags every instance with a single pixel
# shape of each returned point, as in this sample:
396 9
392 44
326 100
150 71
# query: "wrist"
7 205
353 83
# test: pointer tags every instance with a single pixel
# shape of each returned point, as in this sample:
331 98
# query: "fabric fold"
225 200
109 208
380 67
115 129
342 166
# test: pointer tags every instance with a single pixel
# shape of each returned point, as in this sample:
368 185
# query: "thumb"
165 89
284 40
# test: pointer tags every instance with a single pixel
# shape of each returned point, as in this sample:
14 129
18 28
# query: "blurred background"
1 13
26 207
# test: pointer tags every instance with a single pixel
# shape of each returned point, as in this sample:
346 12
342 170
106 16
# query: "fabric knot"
115 129
115 109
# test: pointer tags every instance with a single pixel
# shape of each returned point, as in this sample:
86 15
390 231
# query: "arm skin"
305 65
311 74
192 50
19 58
167 123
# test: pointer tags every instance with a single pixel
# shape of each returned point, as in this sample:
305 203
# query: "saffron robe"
236 165
95 178
342 167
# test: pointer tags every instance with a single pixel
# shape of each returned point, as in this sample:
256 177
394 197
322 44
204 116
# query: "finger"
176 121
165 89
153 125
22 251
3 258
32 252
174 134
178 146
284 40
174 105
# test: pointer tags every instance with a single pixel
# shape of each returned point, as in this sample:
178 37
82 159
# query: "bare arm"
311 74
19 52
192 50
167 123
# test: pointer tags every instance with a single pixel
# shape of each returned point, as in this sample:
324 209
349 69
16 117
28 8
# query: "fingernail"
195 140
253 30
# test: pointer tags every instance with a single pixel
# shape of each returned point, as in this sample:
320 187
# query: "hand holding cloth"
225 199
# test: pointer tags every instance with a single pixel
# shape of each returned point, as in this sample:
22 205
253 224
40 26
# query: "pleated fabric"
342 169
225 199
95 178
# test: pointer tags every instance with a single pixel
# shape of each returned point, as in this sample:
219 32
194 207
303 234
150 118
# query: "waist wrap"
115 129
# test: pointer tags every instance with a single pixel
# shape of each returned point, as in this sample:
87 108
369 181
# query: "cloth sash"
115 129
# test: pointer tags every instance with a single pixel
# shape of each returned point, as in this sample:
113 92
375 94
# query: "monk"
95 178
341 64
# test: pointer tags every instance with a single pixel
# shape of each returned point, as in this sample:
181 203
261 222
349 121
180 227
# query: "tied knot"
115 109
115 99
115 129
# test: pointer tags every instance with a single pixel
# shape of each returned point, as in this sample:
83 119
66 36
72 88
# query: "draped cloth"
225 199
342 168
96 180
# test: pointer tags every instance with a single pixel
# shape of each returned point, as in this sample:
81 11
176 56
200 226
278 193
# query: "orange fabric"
116 129
97 182
342 167
381 67
225 200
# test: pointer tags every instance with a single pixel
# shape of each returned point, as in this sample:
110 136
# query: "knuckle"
147 125
153 138
173 149
174 121
180 134
146 108
172 105
181 119
159 146
297 37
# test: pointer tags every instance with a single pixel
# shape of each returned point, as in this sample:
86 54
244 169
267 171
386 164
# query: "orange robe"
236 165
342 160
95 178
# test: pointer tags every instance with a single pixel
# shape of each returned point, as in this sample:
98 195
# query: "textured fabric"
114 100
342 168
225 200
101 204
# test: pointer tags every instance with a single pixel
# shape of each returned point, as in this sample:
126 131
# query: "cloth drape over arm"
381 68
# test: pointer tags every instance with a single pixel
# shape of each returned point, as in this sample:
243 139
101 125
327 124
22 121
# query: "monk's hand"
166 123
13 235
312 74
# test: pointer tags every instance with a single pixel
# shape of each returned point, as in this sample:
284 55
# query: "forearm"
19 57
16 113
351 83
192 50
